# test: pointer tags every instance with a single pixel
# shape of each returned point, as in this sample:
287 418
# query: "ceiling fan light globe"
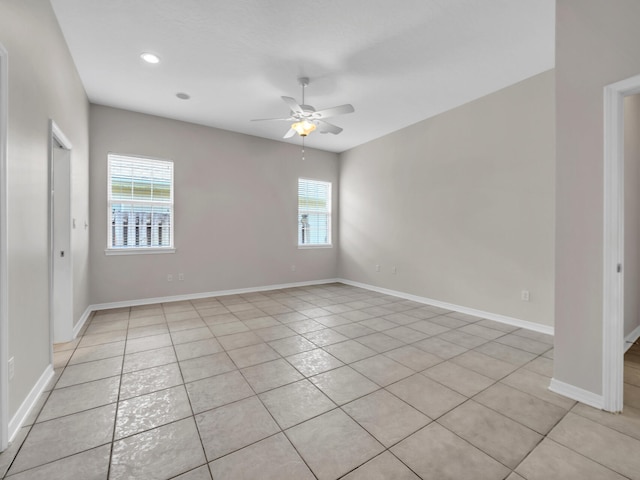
304 127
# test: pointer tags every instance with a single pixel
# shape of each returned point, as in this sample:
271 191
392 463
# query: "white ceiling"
397 62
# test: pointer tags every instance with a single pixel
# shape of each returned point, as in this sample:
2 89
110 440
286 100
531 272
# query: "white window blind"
314 212
140 203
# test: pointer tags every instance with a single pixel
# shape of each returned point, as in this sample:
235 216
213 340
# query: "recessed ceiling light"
150 57
183 96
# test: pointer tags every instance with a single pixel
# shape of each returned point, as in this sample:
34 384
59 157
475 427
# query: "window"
314 213
140 204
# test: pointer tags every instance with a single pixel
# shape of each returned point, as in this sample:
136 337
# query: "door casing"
4 310
60 224
613 246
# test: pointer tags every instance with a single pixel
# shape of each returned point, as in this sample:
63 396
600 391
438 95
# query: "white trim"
575 393
219 293
4 296
83 319
328 213
536 327
170 204
57 135
630 339
613 243
138 251
27 405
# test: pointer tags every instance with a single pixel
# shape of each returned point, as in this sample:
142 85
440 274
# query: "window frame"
139 250
328 213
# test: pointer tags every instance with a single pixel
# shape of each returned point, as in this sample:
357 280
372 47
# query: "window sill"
305 247
138 251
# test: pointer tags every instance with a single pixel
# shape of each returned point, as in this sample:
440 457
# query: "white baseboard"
630 339
83 319
559 387
23 412
576 393
536 327
195 296
427 301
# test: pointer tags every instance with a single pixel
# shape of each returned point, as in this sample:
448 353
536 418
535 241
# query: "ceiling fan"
306 118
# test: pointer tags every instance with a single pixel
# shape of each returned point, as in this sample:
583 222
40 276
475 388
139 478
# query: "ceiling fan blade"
334 111
290 133
293 105
290 119
326 127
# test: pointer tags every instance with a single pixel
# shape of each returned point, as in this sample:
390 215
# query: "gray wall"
462 204
43 84
596 45
235 209
631 213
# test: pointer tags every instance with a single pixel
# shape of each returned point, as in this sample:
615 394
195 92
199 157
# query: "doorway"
613 333
631 272
60 224
632 376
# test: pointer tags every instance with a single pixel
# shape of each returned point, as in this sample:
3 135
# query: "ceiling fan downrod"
303 81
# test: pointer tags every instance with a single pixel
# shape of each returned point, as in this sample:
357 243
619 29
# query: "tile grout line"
48 395
115 416
275 421
297 333
193 414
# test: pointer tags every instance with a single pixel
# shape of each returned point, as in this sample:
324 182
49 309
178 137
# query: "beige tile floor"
322 382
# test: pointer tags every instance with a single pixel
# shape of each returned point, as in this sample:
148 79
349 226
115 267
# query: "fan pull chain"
303 85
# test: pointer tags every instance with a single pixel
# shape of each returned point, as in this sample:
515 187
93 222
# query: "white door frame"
4 297
56 137
613 299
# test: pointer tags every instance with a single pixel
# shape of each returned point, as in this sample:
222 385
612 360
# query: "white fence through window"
130 228
140 203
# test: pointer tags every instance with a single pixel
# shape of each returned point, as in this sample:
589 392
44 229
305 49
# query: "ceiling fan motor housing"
307 118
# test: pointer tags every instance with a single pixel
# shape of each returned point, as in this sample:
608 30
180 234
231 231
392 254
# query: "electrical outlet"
377 268
524 295
394 270
169 277
12 368
181 277
293 268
